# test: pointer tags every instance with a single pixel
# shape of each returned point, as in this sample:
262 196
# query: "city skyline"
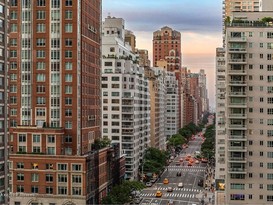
200 31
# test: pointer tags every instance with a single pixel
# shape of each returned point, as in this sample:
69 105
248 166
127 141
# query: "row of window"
55 54
41 15
62 190
60 167
55 66
54 3
250 34
62 178
41 28
41 42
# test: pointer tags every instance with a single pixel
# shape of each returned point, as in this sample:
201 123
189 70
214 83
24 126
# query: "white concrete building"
248 111
172 114
125 97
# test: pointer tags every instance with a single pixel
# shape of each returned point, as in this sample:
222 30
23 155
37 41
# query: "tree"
267 19
176 140
101 143
121 194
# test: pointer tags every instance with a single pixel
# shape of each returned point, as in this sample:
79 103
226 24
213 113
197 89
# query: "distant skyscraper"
244 157
167 46
167 54
55 109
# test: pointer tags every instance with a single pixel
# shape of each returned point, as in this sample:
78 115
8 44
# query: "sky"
198 21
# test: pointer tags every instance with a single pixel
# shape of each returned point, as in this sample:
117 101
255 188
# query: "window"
22 138
50 139
40 28
68 66
68 101
49 177
20 177
68 77
41 2
269 165
36 149
68 125
20 165
62 167
68 28
68 89
76 167
68 14
62 178
68 54
20 188
49 190
34 189
49 166
68 2
76 191
50 150
41 100
68 112
62 190
269 197
68 139
41 15
76 179
41 54
34 177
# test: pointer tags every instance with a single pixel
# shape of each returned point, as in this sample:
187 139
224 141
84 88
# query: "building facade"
125 97
55 109
157 88
248 110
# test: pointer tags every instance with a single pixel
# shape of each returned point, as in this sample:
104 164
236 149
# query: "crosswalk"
178 189
169 195
193 169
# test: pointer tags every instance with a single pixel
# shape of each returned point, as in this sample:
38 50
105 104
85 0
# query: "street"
190 175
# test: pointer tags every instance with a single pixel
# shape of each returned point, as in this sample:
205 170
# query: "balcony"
237 72
237 170
127 132
237 149
237 83
127 110
237 39
237 115
127 119
237 138
237 61
237 159
237 127
237 50
237 93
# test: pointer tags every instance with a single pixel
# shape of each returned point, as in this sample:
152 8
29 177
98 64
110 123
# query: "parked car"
178 174
177 163
200 183
181 159
149 184
204 160
197 162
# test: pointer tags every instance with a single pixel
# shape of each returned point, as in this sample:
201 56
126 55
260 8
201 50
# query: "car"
171 202
149 184
191 160
197 162
158 194
181 159
165 181
172 158
189 164
204 160
178 174
170 189
180 185
177 163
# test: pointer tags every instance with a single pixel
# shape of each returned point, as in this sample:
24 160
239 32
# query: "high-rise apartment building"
4 64
245 157
54 101
157 88
125 97
130 38
143 57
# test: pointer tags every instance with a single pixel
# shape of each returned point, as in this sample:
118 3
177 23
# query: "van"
197 153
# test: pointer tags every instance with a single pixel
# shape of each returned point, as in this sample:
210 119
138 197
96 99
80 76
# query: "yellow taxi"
165 181
158 194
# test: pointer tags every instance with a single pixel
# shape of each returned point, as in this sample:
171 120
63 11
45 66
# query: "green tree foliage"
208 147
267 19
121 194
101 143
176 140
154 160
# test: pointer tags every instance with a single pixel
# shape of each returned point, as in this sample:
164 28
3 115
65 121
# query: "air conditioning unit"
91 117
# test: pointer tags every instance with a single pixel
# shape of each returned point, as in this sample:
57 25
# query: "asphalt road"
189 177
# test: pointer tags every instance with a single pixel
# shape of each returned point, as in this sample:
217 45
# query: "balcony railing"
237 60
242 115
237 50
237 137
242 71
237 82
239 159
237 126
237 39
239 148
237 170
237 93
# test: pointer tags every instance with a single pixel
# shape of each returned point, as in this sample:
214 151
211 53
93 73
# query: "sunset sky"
198 21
